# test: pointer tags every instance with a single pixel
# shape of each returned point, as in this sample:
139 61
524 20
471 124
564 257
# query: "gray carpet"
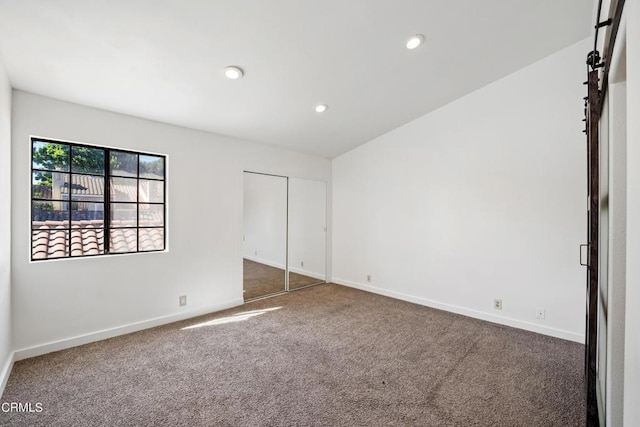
326 355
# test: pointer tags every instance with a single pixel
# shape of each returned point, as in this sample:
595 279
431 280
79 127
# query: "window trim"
107 228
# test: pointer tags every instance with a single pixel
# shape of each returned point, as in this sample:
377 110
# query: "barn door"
593 160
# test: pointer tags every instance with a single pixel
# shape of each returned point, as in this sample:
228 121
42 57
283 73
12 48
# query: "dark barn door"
598 227
591 335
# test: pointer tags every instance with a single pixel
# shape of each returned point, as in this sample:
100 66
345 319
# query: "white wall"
6 349
484 198
632 337
265 219
307 225
57 301
604 288
616 264
617 258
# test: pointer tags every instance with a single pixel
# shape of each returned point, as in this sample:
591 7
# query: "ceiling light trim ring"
233 72
415 41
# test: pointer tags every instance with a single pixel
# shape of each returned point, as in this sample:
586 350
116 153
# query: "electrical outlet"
368 278
301 263
540 313
497 304
183 300
255 253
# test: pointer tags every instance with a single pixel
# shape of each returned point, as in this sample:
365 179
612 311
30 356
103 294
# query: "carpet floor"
261 280
326 355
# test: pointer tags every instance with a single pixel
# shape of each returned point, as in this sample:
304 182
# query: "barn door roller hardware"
593 60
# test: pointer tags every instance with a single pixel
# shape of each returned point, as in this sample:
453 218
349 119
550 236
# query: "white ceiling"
163 59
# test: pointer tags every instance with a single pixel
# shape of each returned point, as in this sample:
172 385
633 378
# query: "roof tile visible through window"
123 240
50 239
88 185
85 185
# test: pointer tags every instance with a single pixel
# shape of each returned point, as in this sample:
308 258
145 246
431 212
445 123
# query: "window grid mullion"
69 203
138 207
106 220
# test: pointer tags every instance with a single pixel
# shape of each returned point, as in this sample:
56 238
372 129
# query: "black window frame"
106 201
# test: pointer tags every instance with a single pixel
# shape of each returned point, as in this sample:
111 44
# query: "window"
88 200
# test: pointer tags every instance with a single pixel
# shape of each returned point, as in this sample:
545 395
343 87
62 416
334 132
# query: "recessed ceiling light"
232 72
321 108
415 41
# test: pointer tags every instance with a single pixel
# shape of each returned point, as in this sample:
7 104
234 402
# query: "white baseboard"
63 344
265 262
528 326
5 372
